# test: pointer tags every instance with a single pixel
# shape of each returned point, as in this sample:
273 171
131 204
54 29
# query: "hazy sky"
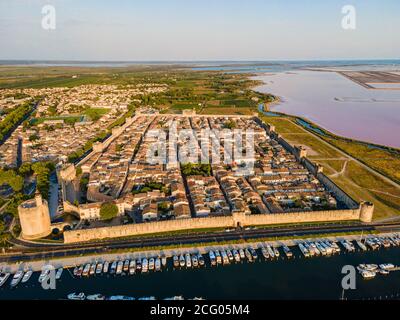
199 30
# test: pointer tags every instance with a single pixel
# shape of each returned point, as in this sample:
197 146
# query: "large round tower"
34 218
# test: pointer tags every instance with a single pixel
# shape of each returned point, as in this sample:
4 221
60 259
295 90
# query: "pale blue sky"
199 30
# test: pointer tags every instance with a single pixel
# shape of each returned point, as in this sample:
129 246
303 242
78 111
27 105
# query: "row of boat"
216 257
121 267
23 276
82 296
369 271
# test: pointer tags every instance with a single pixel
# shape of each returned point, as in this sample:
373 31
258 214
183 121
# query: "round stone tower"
34 218
366 212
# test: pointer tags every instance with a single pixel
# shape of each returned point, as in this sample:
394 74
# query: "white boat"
225 258
230 255
188 260
218 257
236 255
4 277
92 269
106 266
145 265
132 267
120 266
122 298
113 267
176 298
248 255
75 296
276 251
99 268
242 254
17 278
157 264
175 260
43 275
201 260
384 271
264 252
86 270
80 271
361 245
287 251
195 262
95 297
387 266
271 252
368 274
27 276
212 258
151 264
151 298
126 266
164 261
182 260
75 272
59 273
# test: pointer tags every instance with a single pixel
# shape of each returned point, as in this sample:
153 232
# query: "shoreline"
70 262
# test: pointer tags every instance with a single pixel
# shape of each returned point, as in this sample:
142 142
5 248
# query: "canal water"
297 278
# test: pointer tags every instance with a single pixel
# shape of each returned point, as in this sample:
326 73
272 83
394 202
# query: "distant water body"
229 66
338 104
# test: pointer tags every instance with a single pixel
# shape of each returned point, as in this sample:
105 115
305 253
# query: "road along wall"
236 219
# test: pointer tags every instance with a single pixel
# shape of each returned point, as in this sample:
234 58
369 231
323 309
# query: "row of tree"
13 118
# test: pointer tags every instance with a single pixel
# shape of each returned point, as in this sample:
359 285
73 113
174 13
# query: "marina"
306 252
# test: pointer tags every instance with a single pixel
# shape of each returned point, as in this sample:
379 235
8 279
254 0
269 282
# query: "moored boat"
27 276
182 261
126 266
106 266
95 297
132 267
86 270
188 260
120 267
201 260
145 265
76 296
59 273
113 267
157 264
17 278
175 260
164 261
99 268
92 270
151 264
4 277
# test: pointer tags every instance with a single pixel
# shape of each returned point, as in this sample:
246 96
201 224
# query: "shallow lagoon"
338 104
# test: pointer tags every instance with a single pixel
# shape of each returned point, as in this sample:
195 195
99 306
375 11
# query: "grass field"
355 180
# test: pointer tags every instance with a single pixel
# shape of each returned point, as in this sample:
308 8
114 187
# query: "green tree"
108 211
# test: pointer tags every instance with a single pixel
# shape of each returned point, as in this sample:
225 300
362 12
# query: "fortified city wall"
215 222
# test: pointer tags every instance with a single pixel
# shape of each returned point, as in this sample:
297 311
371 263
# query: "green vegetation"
96 113
355 180
230 125
13 118
194 169
11 178
108 211
150 186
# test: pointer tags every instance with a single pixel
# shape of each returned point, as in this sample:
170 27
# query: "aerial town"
65 120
